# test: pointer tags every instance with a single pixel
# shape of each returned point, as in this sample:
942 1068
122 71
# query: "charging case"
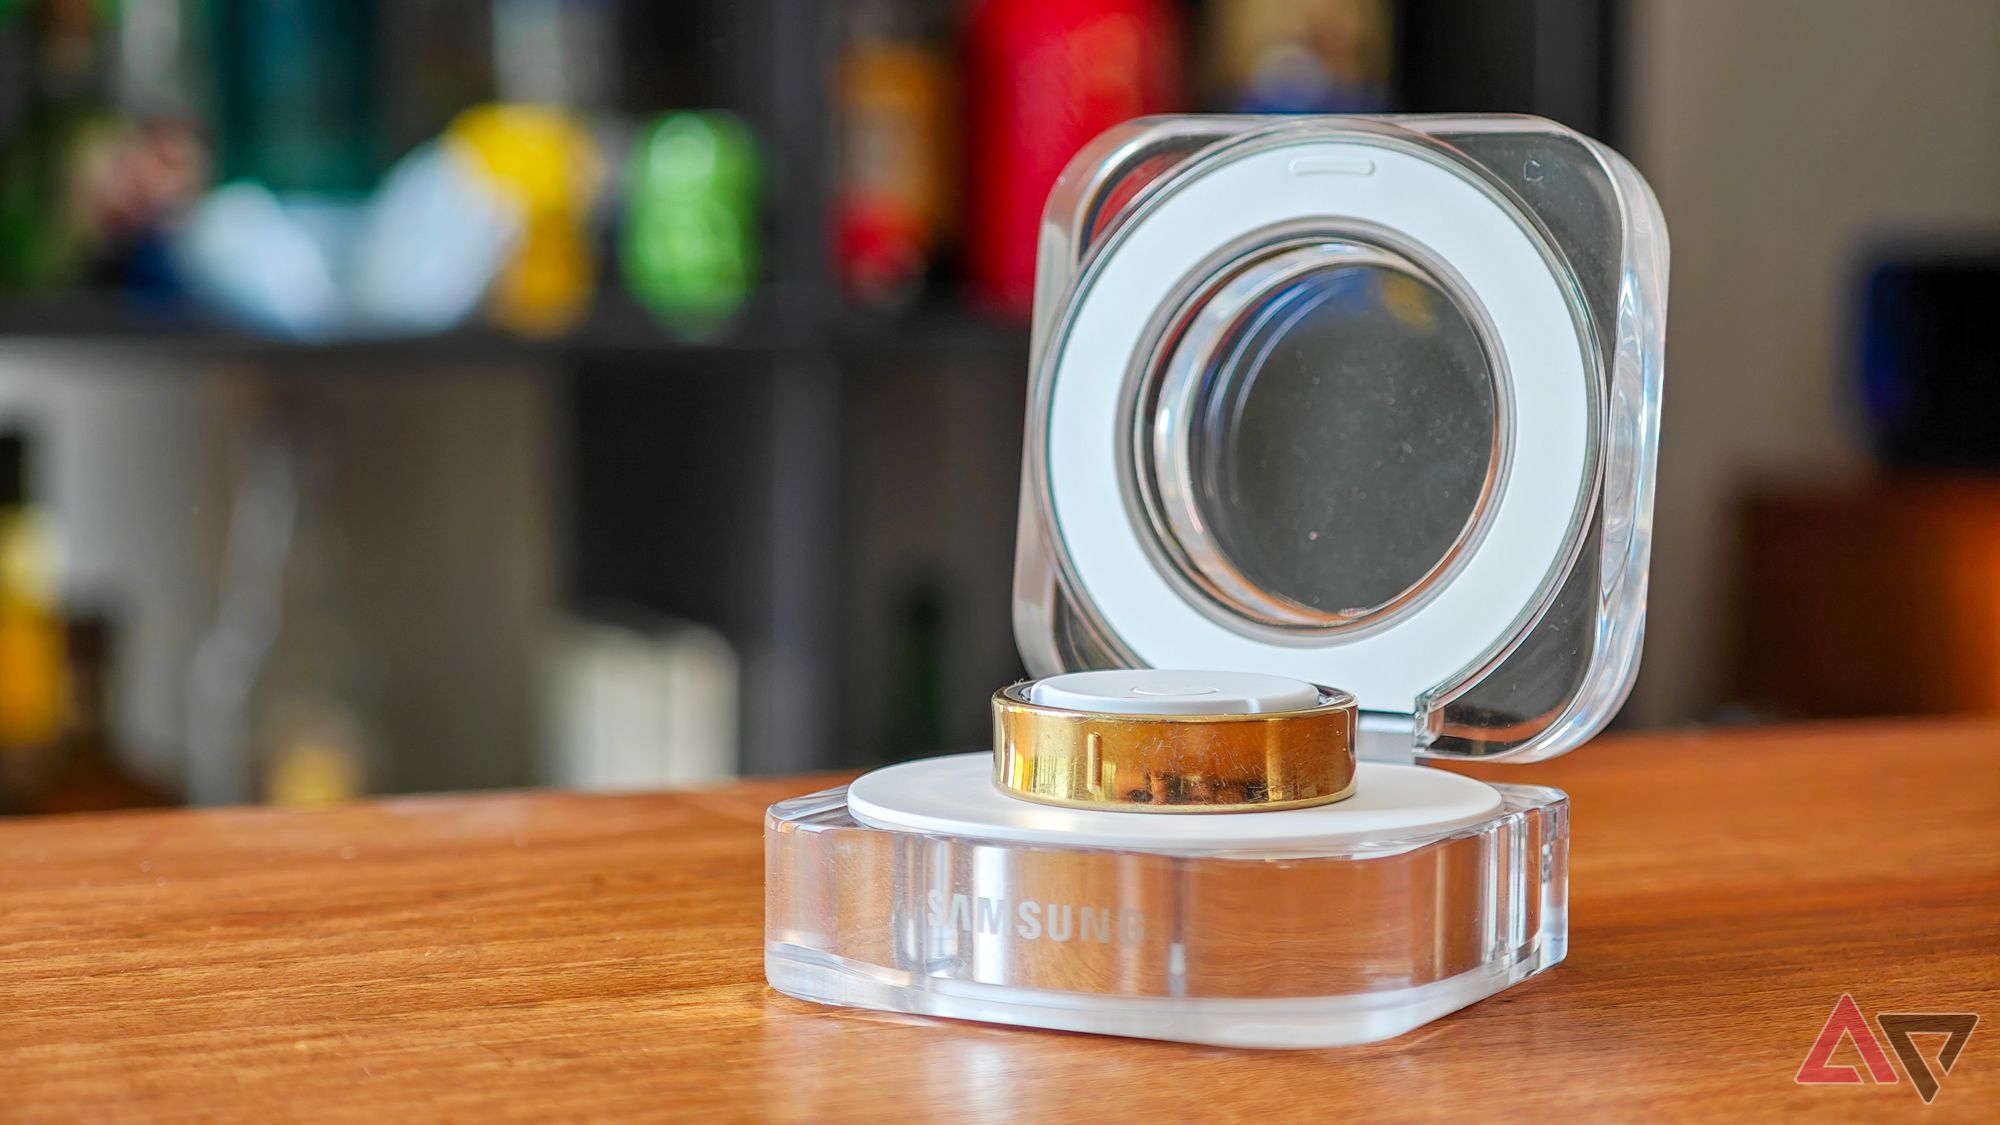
1369 402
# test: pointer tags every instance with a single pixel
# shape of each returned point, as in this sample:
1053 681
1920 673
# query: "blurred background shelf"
636 552
517 541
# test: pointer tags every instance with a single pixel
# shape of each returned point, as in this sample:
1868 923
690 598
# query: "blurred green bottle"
295 106
689 251
54 66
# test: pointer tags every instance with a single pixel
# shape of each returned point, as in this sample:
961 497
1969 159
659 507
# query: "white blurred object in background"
640 707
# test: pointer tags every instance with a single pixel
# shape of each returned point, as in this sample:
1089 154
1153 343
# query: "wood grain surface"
548 956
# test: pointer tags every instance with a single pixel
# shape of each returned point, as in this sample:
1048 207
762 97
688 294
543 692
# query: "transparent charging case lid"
1371 402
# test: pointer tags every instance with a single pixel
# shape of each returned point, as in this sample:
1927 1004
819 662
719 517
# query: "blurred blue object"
435 236
252 258
414 258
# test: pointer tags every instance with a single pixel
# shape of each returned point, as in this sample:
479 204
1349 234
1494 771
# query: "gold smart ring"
1144 740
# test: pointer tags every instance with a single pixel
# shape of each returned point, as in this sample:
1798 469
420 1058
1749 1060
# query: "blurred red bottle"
1044 77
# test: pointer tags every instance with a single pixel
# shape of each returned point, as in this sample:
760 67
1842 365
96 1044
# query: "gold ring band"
1174 763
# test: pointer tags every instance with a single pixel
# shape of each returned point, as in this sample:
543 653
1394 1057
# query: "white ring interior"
1171 691
955 796
1548 457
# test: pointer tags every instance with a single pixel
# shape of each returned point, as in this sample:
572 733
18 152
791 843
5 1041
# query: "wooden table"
546 955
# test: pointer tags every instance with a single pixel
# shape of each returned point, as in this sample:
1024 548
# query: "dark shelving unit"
615 326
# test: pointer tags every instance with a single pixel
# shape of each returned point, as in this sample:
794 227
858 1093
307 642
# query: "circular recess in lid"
1317 443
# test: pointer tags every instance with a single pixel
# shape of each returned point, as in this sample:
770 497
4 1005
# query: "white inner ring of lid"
955 796
1547 457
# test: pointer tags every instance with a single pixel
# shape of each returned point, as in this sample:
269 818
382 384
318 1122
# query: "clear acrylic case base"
1344 924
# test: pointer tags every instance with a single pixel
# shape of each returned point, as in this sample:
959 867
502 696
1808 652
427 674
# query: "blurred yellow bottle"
31 643
547 162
